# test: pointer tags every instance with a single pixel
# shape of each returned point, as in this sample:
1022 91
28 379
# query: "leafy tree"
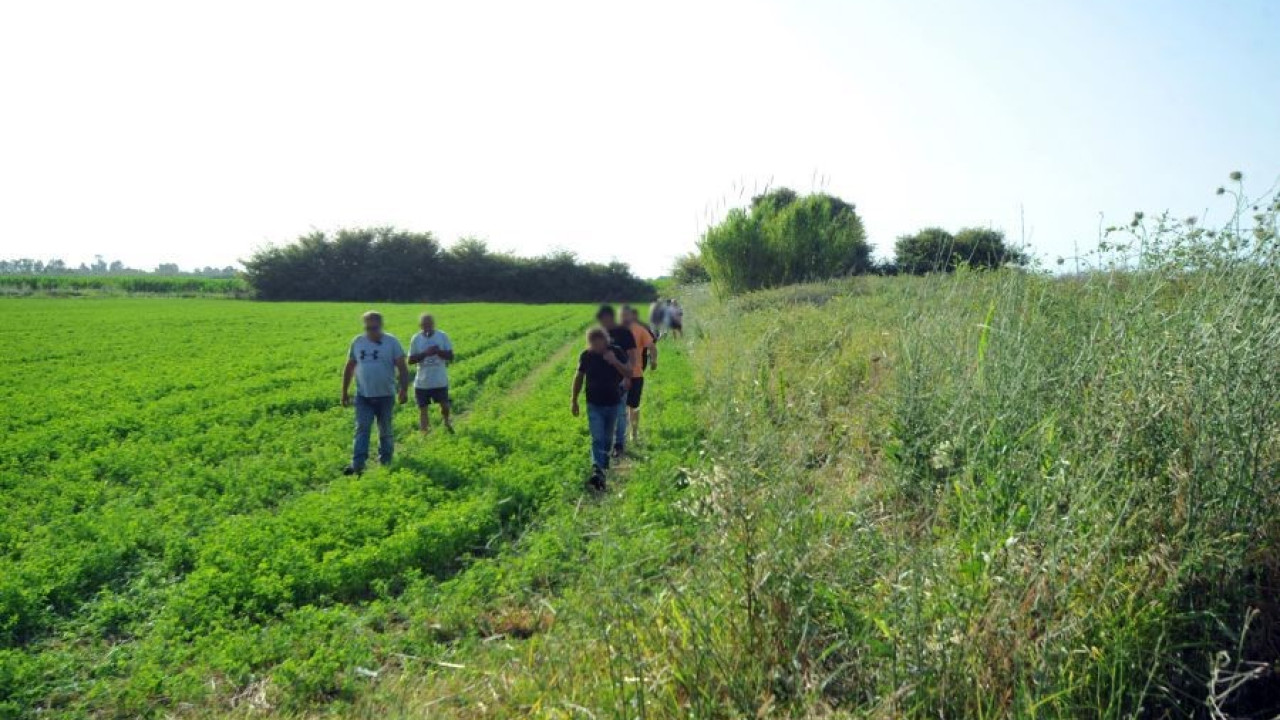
774 200
936 250
689 270
928 250
785 239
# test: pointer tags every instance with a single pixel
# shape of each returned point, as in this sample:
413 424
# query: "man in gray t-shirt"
374 360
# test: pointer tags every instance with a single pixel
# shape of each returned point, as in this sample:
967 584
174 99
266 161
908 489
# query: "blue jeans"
367 410
620 439
603 420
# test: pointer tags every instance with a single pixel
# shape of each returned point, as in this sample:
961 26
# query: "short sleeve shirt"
657 313
432 370
622 337
604 382
644 341
375 364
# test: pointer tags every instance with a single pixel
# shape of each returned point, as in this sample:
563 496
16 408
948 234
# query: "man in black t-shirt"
622 337
603 368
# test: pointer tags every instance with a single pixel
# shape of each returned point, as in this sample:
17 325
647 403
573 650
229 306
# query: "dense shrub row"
390 264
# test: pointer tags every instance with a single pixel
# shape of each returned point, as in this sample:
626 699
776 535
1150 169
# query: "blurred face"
373 327
629 316
607 320
428 324
597 344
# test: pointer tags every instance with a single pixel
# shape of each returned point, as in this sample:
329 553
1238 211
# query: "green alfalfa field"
984 494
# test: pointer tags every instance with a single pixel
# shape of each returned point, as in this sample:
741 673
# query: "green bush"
785 239
690 270
936 250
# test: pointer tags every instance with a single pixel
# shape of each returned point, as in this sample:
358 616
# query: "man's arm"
625 370
433 350
653 356
577 390
402 369
417 357
618 365
348 372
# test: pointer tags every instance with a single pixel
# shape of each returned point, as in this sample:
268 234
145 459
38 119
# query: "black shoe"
448 427
619 452
597 479
352 470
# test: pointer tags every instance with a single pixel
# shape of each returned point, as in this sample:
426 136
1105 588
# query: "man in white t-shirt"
432 352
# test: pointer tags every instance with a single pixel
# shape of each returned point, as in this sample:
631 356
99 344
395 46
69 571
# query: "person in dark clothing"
603 370
622 337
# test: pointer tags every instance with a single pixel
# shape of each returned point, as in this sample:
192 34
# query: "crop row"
141 432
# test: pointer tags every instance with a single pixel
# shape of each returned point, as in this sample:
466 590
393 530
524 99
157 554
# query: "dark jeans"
367 410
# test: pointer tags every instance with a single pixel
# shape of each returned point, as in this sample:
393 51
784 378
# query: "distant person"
432 352
603 368
622 337
647 357
675 318
375 359
658 318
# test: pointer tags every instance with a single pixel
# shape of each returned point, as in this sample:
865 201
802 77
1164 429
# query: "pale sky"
194 132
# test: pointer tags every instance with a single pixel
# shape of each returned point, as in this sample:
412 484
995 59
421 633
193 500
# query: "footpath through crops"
173 526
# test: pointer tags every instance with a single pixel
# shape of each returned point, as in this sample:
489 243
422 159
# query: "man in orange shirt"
645 357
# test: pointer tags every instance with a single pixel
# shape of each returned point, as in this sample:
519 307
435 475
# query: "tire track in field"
491 397
525 386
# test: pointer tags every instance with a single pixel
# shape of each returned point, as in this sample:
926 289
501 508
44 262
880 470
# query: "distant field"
173 526
121 284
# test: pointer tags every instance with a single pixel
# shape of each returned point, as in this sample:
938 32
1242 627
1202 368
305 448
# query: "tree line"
100 267
398 265
785 238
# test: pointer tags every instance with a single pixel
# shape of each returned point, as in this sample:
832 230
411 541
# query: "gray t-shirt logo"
375 365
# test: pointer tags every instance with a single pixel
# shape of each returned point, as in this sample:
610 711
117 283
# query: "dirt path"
490 398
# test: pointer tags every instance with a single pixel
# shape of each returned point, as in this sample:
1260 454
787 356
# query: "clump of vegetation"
785 238
690 270
936 250
1051 497
391 264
